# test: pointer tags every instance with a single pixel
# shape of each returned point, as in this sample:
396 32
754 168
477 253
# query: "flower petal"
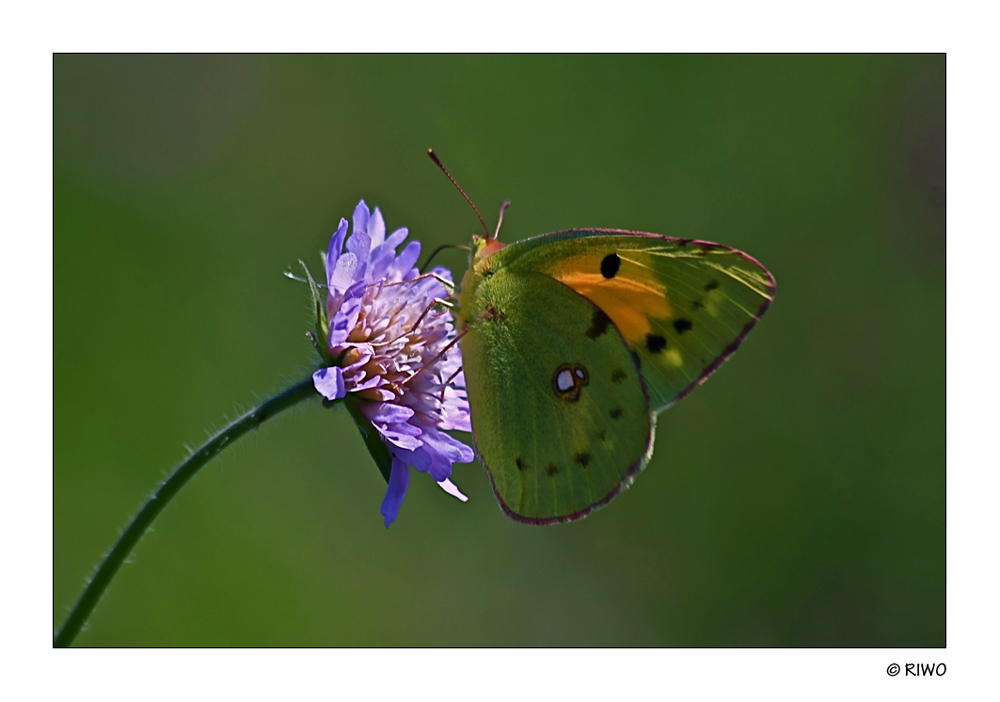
362 360
381 259
452 489
399 481
404 262
373 381
361 218
387 413
403 429
418 457
336 247
329 382
344 322
402 439
360 245
426 459
396 238
376 229
448 447
343 274
455 412
439 468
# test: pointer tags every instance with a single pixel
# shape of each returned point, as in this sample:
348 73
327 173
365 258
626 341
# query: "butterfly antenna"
434 158
504 206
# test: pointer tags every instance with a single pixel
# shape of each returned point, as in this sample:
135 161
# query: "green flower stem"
170 487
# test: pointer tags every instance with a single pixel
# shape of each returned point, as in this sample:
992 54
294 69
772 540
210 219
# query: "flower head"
392 351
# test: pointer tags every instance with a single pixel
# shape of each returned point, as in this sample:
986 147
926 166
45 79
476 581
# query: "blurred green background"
797 499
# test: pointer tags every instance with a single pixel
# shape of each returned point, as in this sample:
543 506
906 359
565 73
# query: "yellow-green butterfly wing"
559 413
684 306
574 341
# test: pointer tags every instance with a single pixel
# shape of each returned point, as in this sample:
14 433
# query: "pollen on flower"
395 352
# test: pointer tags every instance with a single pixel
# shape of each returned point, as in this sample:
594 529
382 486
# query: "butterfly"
572 344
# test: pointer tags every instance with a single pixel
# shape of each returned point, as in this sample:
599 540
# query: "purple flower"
393 352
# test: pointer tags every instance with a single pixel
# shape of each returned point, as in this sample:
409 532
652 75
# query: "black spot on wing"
655 343
697 305
616 412
551 470
712 285
682 325
618 375
599 324
610 265
601 434
582 459
519 462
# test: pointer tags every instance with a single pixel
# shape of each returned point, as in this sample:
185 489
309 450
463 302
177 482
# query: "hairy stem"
170 487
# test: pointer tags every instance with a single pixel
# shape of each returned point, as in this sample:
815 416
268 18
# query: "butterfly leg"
437 301
448 382
433 360
449 286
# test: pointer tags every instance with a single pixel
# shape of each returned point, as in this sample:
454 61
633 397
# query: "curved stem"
170 487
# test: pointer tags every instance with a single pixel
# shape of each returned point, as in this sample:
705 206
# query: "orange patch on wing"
629 299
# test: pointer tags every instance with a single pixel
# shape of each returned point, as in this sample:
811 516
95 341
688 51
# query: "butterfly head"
482 248
479 269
